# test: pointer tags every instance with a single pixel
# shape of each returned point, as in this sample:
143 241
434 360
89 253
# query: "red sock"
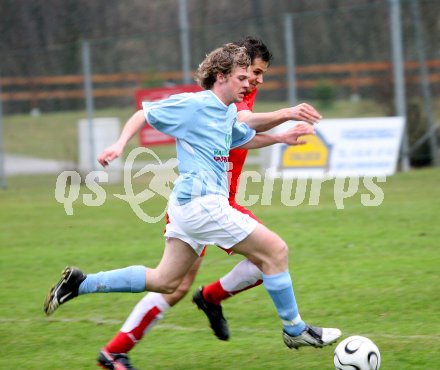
121 343
215 294
124 342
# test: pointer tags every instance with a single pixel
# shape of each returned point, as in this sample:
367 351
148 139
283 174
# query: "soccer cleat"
64 290
312 336
114 361
214 313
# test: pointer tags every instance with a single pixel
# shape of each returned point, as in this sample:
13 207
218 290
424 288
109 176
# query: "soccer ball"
356 353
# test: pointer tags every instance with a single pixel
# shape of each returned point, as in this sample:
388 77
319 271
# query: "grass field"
371 271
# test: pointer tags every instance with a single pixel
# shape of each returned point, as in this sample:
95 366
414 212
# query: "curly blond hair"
221 60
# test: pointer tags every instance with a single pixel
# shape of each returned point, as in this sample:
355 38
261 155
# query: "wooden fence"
352 76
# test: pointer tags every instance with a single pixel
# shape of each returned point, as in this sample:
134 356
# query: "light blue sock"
130 279
280 289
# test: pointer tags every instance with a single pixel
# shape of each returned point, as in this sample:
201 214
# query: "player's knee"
167 289
169 286
284 249
280 252
181 291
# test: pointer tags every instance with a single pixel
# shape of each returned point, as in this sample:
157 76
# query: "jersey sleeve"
168 115
241 134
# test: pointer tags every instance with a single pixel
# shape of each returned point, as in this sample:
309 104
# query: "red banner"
148 136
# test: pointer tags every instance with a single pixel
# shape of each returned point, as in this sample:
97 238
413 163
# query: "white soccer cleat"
312 336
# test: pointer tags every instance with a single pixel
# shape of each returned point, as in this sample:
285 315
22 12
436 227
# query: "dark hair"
222 60
255 48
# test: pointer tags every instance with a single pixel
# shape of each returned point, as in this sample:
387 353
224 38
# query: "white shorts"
208 220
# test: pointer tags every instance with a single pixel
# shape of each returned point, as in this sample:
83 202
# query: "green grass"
50 135
371 271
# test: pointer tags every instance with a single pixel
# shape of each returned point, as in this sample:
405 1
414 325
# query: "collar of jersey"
218 99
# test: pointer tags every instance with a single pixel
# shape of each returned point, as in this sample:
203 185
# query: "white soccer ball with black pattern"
357 353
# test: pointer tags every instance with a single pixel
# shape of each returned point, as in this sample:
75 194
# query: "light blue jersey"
205 130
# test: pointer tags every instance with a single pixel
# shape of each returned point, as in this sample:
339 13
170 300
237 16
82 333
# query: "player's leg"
148 312
145 315
177 259
269 252
243 276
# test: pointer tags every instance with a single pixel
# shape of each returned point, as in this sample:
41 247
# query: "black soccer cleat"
312 336
114 361
214 312
63 291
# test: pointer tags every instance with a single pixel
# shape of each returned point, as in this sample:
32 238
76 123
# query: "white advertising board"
105 131
341 148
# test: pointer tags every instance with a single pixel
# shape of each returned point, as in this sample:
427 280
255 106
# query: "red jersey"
237 157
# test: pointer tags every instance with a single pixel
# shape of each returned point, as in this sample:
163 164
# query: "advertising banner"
340 148
148 136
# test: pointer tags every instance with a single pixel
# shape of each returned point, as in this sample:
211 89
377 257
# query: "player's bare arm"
268 120
289 137
132 126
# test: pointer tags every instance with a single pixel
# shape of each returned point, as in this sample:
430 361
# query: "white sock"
243 275
152 303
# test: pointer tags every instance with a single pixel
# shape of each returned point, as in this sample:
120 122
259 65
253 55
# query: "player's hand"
109 154
292 136
304 112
